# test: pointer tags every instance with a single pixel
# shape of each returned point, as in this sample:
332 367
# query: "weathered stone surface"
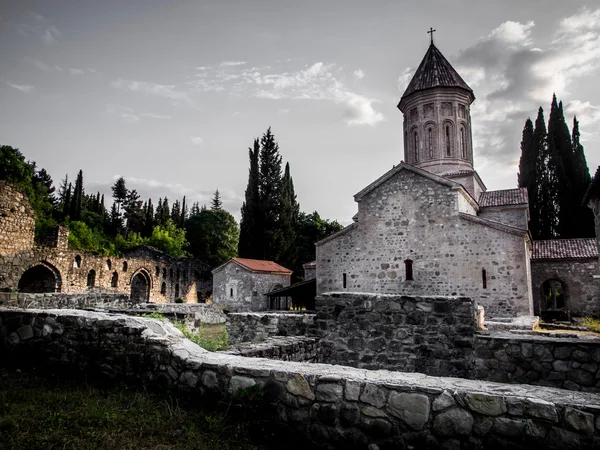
374 396
579 421
562 439
352 390
542 409
188 378
489 405
329 392
413 409
453 422
299 386
443 401
509 427
210 380
238 383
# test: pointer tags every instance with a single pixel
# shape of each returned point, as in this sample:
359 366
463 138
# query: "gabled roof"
593 190
504 197
405 166
257 265
435 71
562 249
350 227
494 225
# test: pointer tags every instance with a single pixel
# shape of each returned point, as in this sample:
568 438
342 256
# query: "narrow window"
114 280
185 274
163 288
430 143
124 266
91 278
157 271
108 264
164 273
77 262
231 292
178 274
177 291
463 148
448 148
484 278
344 281
171 273
416 145
408 269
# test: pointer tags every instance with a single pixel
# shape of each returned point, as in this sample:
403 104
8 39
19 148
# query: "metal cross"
431 31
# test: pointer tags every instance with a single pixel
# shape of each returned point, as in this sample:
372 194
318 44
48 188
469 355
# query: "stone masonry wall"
582 289
410 217
432 335
283 348
256 327
239 289
515 216
567 363
333 406
17 223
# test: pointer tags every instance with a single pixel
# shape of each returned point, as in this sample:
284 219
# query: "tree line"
554 170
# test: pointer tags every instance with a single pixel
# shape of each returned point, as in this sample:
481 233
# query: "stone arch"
39 278
554 300
140 283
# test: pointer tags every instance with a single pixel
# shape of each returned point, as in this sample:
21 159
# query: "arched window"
108 264
448 145
231 292
91 278
114 280
408 269
163 288
164 273
157 271
124 266
178 274
77 262
171 272
463 143
484 278
416 145
554 295
430 142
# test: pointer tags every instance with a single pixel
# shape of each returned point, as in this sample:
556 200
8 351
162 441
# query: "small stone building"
145 274
241 284
429 226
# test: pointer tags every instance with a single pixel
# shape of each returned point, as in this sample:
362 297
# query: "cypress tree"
102 208
158 212
251 238
183 213
176 212
67 201
216 203
581 182
288 220
527 174
546 182
164 213
119 190
75 207
148 220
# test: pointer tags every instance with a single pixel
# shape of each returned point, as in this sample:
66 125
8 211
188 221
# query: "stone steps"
522 323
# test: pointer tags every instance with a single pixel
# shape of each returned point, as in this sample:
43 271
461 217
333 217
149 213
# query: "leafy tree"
115 221
15 170
310 229
251 230
216 203
213 236
44 179
169 239
119 190
132 212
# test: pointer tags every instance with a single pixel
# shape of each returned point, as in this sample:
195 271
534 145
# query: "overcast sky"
170 95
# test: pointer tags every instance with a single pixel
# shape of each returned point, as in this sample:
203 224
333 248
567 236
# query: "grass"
38 412
592 324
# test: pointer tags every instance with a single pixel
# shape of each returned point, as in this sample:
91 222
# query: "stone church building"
429 226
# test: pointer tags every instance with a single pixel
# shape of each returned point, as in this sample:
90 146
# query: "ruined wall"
282 348
239 289
411 334
582 290
254 327
333 406
567 363
413 218
17 223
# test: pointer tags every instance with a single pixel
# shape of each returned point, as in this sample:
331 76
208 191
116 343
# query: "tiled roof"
260 265
435 71
565 249
504 197
457 173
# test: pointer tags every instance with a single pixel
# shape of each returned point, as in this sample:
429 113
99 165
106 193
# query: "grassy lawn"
44 413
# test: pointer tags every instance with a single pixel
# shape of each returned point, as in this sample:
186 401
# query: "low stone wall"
568 363
432 335
90 299
334 406
257 326
283 348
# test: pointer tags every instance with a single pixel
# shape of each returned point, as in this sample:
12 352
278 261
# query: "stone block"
489 405
352 391
412 409
579 421
560 439
453 422
298 385
373 395
329 392
541 409
509 427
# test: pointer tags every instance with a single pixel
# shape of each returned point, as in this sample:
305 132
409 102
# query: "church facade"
429 226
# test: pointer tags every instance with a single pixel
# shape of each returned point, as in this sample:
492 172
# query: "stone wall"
582 290
333 406
432 335
240 289
411 217
514 215
17 223
255 327
283 348
568 363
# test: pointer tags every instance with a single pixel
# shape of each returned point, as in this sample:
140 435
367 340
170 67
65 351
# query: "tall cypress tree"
67 201
581 182
527 173
183 213
165 213
546 182
270 195
216 203
148 220
75 207
251 237
176 212
288 219
119 190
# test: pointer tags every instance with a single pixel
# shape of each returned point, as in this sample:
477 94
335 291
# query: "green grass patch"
38 412
592 324
212 337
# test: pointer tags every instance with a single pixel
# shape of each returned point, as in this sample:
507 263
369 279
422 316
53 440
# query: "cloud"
512 75
26 88
359 74
197 140
232 63
154 89
76 71
51 35
128 115
312 82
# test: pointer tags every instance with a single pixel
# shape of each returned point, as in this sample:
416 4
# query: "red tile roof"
260 265
504 197
435 71
565 249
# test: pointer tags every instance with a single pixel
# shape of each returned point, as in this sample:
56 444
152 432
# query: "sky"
170 95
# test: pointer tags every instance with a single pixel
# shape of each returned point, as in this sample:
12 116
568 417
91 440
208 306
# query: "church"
430 226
